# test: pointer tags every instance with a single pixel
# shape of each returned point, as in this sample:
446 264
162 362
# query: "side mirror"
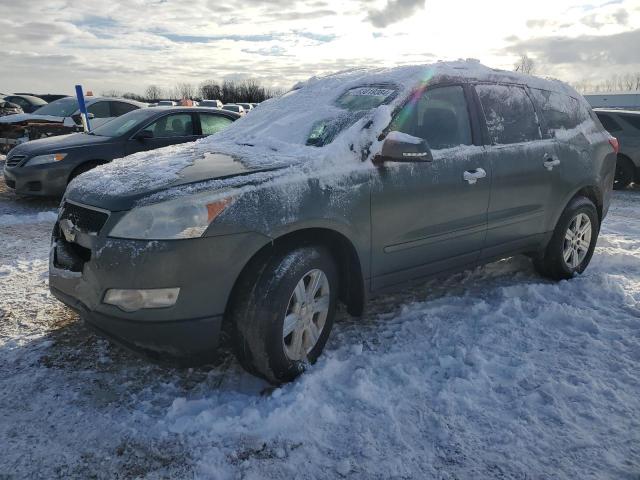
400 147
91 116
144 135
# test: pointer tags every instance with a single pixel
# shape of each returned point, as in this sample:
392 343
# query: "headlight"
42 159
185 217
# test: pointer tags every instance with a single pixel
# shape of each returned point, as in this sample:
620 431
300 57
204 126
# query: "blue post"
83 109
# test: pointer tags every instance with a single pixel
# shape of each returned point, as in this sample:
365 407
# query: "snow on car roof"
276 134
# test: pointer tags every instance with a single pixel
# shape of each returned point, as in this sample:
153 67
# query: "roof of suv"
615 110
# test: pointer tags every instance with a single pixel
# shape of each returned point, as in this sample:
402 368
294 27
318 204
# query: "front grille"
85 219
15 160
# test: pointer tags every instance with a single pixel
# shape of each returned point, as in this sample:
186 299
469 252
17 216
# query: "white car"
211 103
60 117
233 107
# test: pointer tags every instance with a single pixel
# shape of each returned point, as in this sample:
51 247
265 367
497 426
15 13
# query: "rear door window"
120 108
100 110
509 113
176 125
439 115
211 123
633 120
609 123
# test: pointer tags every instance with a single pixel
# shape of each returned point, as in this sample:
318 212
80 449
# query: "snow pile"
493 373
41 217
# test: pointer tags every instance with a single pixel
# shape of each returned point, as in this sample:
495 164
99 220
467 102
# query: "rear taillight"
613 141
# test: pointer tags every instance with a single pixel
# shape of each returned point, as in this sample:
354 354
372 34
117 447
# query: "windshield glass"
60 108
122 124
355 103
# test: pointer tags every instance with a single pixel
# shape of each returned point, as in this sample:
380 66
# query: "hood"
60 143
120 185
30 117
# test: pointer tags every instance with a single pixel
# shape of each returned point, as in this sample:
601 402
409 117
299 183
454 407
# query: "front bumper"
45 180
205 269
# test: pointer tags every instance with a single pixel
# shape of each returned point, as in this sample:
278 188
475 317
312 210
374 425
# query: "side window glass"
120 108
213 123
559 111
440 116
633 120
177 125
99 109
609 123
509 114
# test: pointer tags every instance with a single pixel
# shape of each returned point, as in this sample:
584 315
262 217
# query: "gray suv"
625 125
344 187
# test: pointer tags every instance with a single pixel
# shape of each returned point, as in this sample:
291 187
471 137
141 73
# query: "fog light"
132 300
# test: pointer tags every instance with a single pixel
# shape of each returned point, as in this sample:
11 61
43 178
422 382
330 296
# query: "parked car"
28 103
7 108
247 106
625 126
45 167
47 97
167 103
342 188
211 103
60 117
232 107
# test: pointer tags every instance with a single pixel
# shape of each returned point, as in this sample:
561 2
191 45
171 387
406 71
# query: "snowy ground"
493 373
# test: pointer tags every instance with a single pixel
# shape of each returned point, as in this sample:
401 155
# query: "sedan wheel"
306 314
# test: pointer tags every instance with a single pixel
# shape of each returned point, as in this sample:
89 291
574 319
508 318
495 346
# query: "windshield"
355 103
122 124
64 107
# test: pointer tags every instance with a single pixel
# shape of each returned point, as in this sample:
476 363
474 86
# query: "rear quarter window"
509 114
560 111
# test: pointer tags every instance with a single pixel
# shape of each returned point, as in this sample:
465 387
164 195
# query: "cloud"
595 50
395 11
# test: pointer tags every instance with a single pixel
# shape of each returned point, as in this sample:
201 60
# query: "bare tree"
184 90
210 90
153 93
525 64
111 93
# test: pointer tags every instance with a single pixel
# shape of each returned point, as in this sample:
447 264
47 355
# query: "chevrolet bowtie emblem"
68 230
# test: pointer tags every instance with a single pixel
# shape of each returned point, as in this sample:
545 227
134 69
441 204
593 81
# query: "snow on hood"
276 132
22 117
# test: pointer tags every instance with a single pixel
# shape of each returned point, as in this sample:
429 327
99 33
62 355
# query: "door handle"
550 162
472 176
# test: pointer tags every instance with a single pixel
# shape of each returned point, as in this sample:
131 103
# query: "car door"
211 123
170 129
428 217
522 165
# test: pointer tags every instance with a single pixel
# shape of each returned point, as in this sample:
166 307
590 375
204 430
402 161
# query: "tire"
273 293
625 173
553 263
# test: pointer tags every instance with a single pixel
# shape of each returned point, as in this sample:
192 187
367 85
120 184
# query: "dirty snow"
493 373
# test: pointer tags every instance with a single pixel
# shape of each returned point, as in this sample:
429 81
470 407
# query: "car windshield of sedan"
354 103
60 108
122 124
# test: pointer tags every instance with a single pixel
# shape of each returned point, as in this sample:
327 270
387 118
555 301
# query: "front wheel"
573 241
283 315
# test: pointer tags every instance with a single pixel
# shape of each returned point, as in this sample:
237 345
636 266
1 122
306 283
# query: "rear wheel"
573 241
625 173
283 315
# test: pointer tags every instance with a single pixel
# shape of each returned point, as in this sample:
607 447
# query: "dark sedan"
28 103
45 167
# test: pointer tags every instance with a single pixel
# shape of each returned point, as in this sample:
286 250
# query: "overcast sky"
50 45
